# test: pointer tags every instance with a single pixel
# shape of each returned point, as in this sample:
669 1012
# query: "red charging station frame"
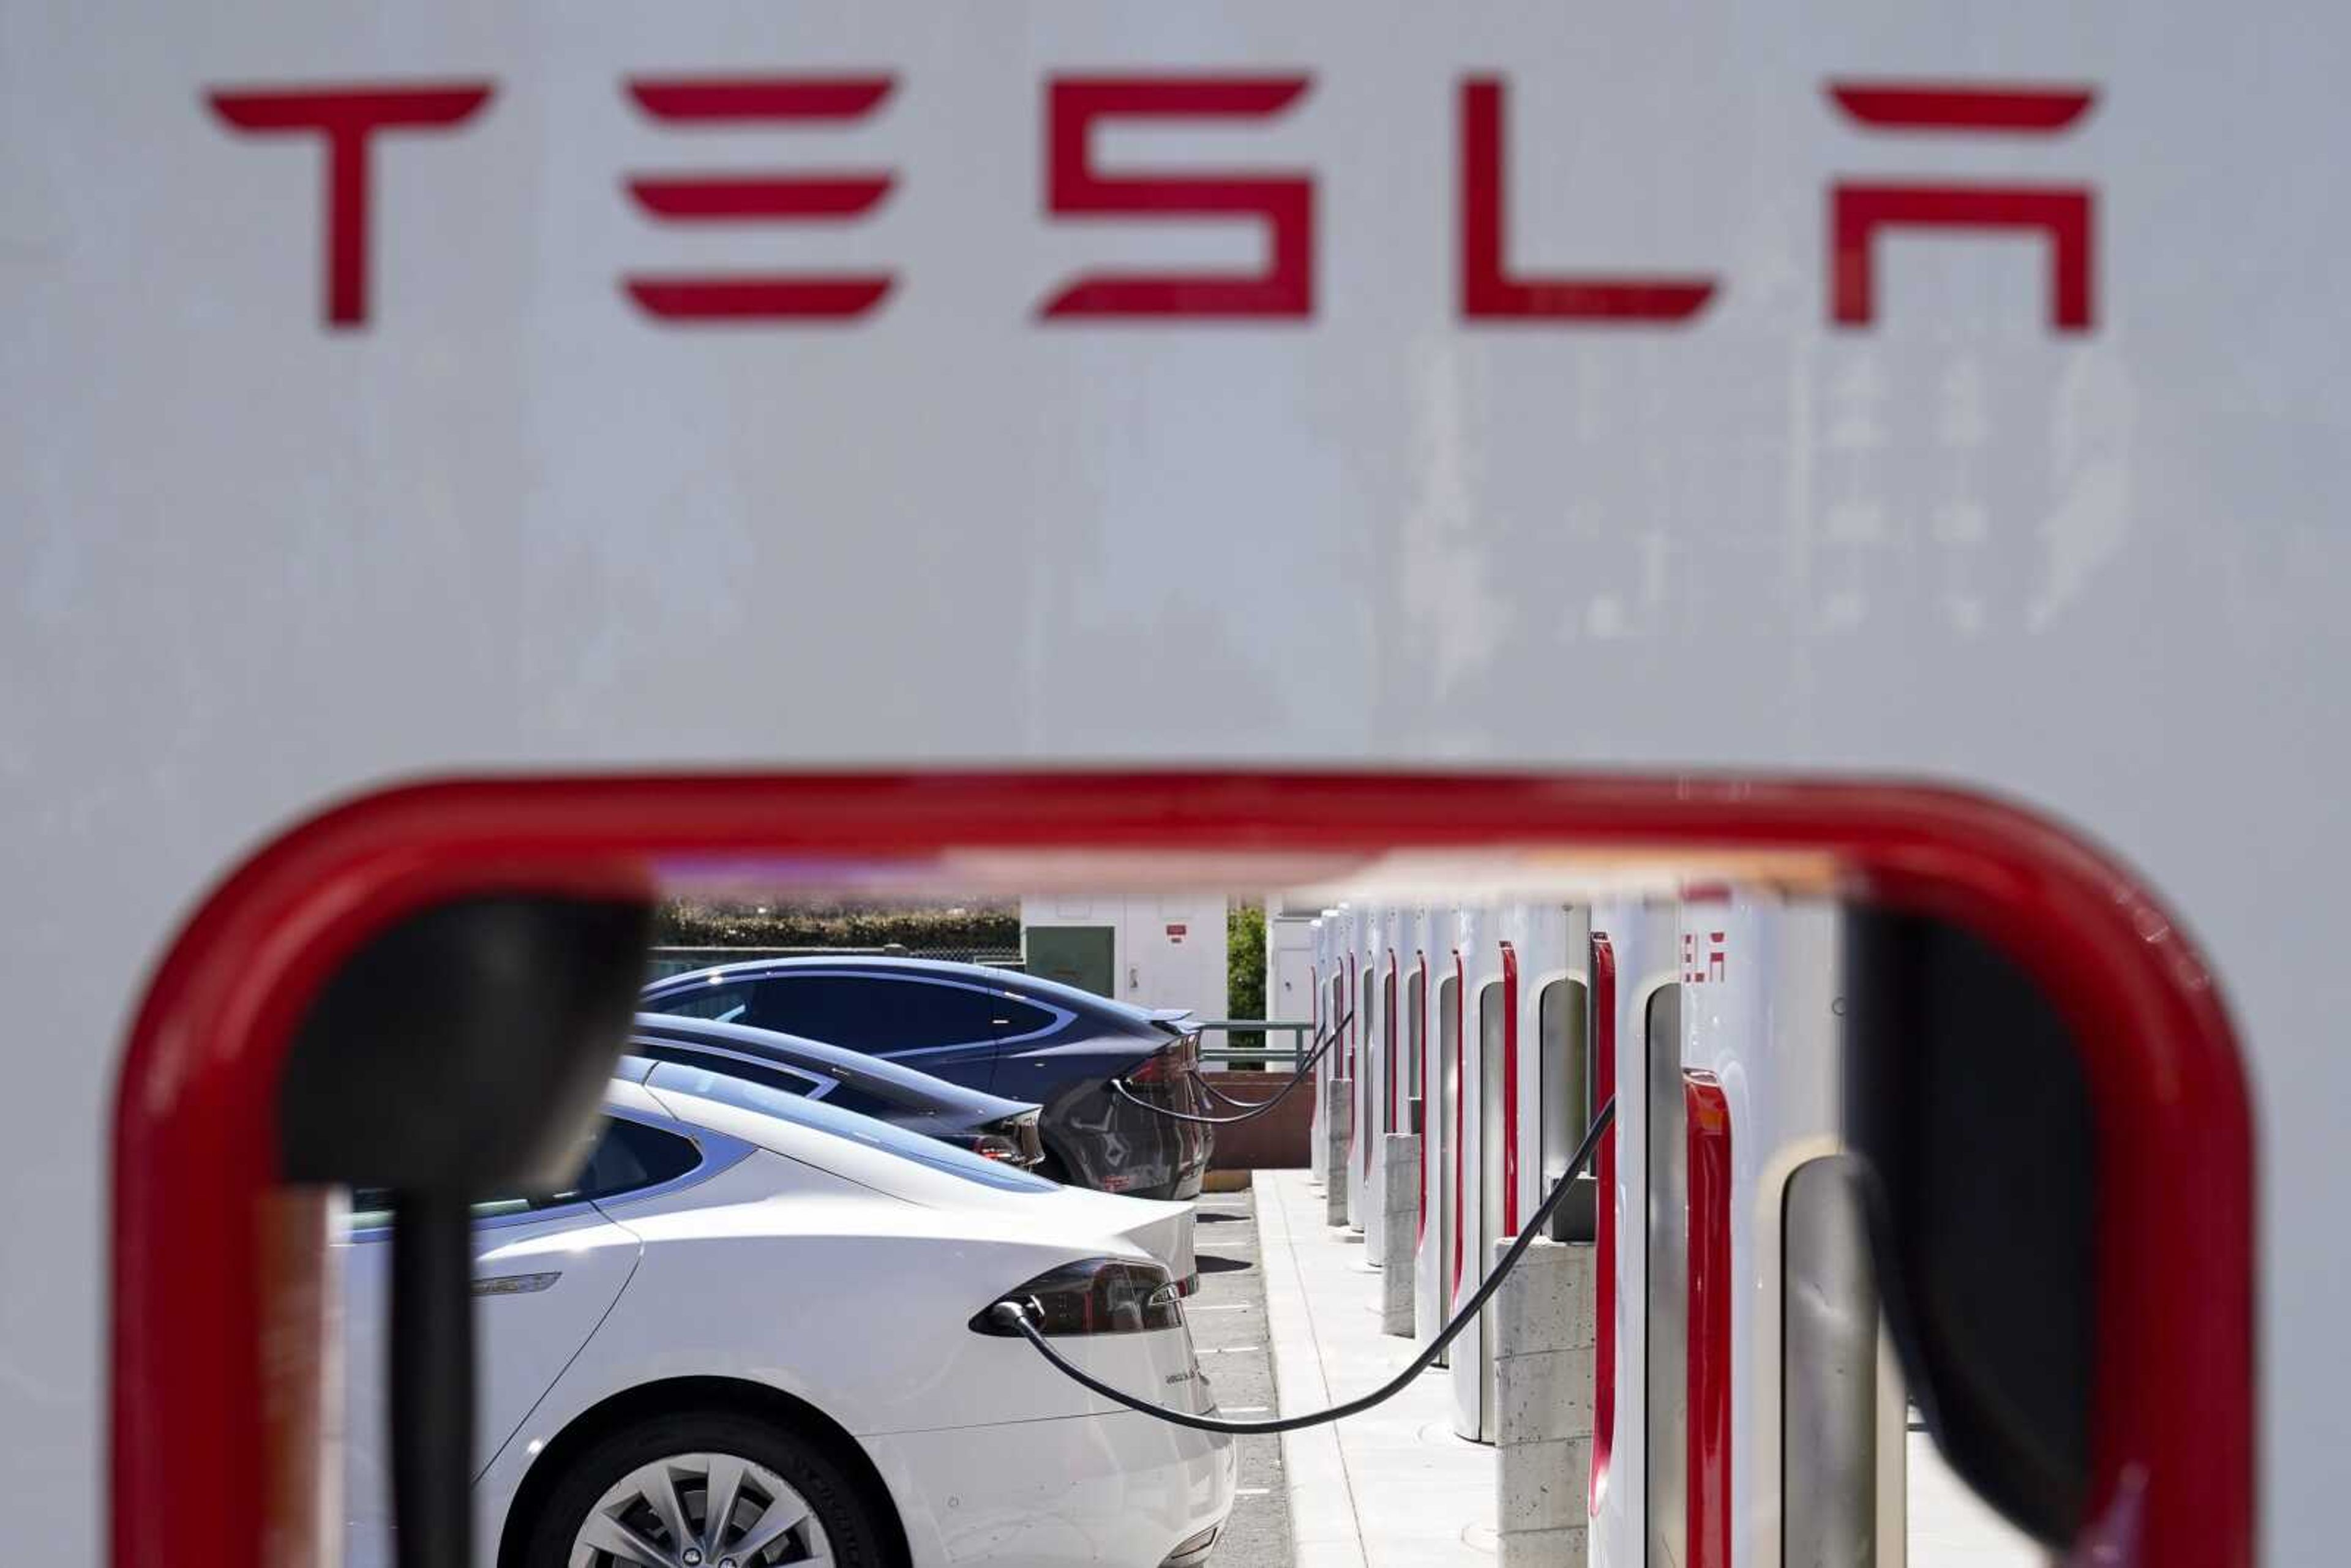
1428 1105
1357 1089
1706 1116
1603 1034
1388 1038
1509 1092
2173 1391
1460 1098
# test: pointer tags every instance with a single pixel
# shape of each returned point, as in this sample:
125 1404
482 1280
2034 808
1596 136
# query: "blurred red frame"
2173 1417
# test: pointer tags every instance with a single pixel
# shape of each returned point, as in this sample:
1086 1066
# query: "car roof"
889 1078
1016 982
862 1149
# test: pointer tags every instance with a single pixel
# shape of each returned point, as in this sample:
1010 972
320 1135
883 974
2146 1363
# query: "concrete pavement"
1392 1488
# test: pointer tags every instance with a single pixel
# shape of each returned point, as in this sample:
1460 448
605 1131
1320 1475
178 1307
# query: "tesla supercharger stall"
1362 982
1317 1160
1479 1162
1384 1096
1371 1087
1506 1107
1771 1418
1338 1006
1441 1135
1553 943
1337 1060
1980 440
211 1442
1344 965
1633 985
1419 1110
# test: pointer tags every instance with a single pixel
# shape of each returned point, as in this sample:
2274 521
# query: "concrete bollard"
1399 1229
1543 1334
1338 1115
1318 1142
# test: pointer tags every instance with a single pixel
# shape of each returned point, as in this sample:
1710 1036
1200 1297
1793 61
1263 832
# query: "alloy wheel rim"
700 1511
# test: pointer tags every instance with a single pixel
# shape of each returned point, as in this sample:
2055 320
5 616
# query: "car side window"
628 1157
875 1013
1012 1018
819 1007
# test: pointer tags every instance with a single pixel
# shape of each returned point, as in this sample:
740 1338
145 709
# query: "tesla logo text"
1698 969
1280 206
1859 208
1076 189
760 198
348 119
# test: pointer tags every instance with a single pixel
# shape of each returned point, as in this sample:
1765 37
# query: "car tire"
617 1485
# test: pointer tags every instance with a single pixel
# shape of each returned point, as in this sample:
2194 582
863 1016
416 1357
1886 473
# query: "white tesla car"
755 1332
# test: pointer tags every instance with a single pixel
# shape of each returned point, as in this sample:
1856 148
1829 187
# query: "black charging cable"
1305 1069
1015 1315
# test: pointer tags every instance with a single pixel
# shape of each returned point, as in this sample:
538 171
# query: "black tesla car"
999 1032
988 1125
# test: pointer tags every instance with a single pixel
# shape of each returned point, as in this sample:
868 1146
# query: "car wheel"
704 1490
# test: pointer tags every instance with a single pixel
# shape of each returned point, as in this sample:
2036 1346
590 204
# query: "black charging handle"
460 1052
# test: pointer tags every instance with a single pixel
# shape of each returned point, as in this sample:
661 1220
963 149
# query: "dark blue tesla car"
999 1032
988 1125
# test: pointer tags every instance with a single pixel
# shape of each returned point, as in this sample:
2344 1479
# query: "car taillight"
1100 1295
996 1146
1160 1069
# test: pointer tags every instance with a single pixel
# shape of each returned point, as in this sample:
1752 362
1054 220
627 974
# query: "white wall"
1169 950
1290 968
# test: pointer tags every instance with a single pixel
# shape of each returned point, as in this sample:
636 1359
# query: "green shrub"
681 924
1245 970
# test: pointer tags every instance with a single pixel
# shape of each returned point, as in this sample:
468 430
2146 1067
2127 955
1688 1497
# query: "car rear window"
712 999
814 1113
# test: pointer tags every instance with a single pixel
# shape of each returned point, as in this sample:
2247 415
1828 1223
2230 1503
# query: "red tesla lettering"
1943 106
1716 958
760 198
1488 290
1859 209
349 118
1284 202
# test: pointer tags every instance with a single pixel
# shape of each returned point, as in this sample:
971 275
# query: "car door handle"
516 1284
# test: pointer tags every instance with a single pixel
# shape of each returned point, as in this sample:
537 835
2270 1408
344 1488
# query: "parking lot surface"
1392 1488
1229 1324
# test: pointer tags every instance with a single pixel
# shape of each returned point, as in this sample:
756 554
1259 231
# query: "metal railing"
1258 1054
